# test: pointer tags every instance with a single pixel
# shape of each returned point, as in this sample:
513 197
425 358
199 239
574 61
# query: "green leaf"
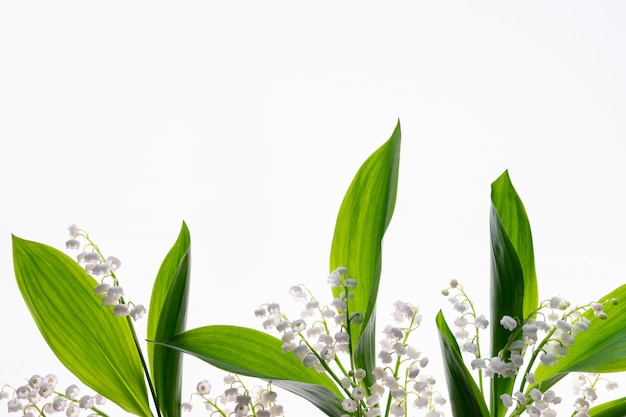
253 353
600 349
87 338
364 215
167 317
466 399
615 408
513 278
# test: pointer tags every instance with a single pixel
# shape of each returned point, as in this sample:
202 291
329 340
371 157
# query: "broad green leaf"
600 349
513 279
168 311
466 398
88 339
364 215
515 223
615 408
253 353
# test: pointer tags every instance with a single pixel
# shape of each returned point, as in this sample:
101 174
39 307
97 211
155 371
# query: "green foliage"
513 280
253 353
465 396
87 338
364 215
168 311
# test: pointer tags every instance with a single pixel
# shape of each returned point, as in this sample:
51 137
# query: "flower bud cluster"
585 387
321 339
104 269
39 397
237 400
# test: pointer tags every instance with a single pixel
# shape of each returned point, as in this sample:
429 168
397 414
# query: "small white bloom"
23 392
72 410
72 391
72 244
114 263
73 229
46 390
334 280
547 359
520 397
327 353
86 401
273 308
349 405
298 325
530 331
460 321
339 304
506 400
533 411
101 289
186 406
481 322
350 283
478 363
535 394
385 357
137 312
59 404
90 257
460 307
283 325
203 387
101 269
358 393
360 373
121 310
470 347
115 293
35 381
508 322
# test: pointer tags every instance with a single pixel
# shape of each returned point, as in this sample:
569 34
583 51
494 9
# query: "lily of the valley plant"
330 353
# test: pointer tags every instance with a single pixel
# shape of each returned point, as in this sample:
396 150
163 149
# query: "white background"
249 119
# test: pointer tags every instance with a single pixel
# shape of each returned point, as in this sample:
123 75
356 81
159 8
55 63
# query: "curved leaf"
515 223
466 399
615 408
167 317
87 338
253 353
513 279
364 215
600 349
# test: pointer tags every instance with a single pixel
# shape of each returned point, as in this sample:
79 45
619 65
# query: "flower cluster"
39 397
237 400
544 336
104 269
320 338
585 388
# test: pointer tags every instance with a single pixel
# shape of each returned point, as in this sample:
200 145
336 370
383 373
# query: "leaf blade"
466 399
513 278
363 217
615 408
253 353
167 317
60 297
